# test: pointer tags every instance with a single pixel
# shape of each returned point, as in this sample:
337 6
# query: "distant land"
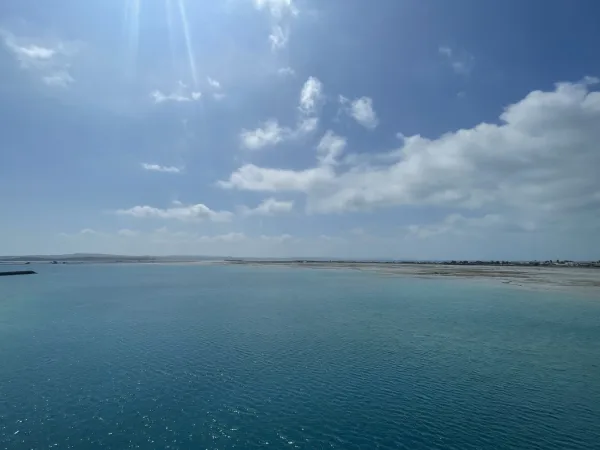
102 258
537 274
107 258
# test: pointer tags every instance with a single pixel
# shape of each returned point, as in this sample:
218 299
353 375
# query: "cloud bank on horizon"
294 128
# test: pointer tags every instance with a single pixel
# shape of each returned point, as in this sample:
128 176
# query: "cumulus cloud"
270 133
59 79
181 94
159 168
49 60
269 207
280 11
228 237
277 8
330 148
362 111
279 37
161 97
306 125
540 160
286 71
215 84
29 54
311 95
253 178
198 212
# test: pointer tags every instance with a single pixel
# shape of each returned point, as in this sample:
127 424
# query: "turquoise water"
194 357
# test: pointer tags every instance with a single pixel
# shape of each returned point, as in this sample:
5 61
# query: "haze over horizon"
396 129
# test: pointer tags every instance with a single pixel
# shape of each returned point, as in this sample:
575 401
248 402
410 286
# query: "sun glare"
132 31
188 41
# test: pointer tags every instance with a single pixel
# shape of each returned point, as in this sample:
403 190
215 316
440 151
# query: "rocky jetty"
17 272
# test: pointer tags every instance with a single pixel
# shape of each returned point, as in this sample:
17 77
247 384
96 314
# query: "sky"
402 129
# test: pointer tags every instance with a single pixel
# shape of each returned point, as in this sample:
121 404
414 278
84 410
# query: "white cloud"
277 8
269 207
228 237
27 51
540 162
50 60
181 94
267 135
159 168
271 133
30 53
279 37
213 83
286 71
311 95
253 178
362 111
330 148
197 212
446 51
161 97
60 79
461 62
281 11
307 125
373 159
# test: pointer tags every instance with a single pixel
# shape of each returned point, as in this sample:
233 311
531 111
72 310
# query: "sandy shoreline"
534 277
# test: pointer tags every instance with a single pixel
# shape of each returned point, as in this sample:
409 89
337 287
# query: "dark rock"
17 272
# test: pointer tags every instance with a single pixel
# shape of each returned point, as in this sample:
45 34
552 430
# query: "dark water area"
194 357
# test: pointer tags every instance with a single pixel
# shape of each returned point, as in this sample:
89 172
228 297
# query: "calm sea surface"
195 357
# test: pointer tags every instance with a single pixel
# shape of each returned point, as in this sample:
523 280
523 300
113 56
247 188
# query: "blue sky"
388 129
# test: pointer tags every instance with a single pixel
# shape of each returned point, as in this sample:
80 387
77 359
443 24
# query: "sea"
240 357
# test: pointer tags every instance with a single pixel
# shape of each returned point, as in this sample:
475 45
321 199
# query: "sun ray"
171 30
132 31
188 41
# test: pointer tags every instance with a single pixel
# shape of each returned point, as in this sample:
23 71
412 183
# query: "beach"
512 273
533 277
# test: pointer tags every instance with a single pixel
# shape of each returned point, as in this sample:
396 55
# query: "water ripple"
235 358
